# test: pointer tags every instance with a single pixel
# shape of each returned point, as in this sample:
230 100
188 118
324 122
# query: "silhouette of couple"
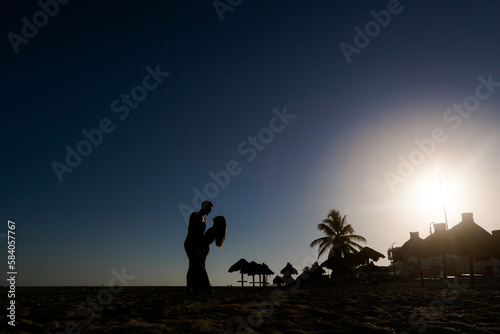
197 246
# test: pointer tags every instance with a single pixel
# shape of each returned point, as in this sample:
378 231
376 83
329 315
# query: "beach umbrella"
265 271
412 248
287 272
253 269
278 280
316 269
311 275
438 243
354 259
349 260
332 263
240 266
366 254
468 238
368 268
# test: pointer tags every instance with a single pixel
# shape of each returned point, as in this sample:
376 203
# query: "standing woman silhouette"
215 233
193 244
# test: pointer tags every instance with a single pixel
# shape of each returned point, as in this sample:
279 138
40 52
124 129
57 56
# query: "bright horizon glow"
429 195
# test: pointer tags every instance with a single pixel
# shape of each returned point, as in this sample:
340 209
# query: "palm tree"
340 239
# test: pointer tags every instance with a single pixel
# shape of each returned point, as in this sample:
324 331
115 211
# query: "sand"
365 308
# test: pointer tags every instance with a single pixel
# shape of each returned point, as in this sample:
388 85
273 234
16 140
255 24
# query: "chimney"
438 228
467 217
414 235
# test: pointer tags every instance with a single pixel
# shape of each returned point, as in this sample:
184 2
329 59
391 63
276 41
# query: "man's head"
206 207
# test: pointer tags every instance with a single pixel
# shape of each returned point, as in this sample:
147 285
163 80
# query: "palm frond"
319 240
339 239
326 228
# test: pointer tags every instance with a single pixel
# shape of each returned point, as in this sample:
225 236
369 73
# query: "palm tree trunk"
337 265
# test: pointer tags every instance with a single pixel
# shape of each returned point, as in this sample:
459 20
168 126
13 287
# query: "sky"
119 118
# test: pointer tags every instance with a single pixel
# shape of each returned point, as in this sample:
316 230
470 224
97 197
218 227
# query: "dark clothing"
197 225
197 250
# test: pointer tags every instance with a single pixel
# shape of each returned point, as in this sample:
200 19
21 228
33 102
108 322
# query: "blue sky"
119 207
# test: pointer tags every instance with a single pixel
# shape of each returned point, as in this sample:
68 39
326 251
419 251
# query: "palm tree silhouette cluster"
340 243
342 246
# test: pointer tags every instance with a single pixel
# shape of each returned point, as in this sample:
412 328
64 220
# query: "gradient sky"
120 206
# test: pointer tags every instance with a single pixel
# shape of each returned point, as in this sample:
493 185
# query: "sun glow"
434 194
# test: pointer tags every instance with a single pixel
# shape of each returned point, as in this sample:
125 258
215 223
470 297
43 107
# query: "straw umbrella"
368 268
265 271
253 269
241 265
287 272
278 280
438 243
468 238
414 247
311 275
366 254
316 269
339 265
335 265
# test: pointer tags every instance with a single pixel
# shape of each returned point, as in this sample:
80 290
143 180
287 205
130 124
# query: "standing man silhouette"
193 244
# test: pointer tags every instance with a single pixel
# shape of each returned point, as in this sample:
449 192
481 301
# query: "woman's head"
220 230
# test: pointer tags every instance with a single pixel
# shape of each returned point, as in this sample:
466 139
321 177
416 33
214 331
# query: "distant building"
456 265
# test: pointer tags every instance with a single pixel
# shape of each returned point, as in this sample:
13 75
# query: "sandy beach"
381 308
